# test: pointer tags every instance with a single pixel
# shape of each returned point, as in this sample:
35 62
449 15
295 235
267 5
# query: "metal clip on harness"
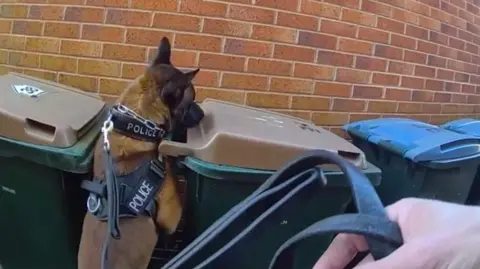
382 235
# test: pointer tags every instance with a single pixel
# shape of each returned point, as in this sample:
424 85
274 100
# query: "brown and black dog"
160 94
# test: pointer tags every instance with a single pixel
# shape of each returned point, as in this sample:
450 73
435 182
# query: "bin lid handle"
175 149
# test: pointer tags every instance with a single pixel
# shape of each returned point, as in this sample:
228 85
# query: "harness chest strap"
137 192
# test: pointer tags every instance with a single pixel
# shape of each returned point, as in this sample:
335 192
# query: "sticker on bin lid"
27 90
416 140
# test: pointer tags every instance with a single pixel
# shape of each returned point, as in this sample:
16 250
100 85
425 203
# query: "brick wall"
331 61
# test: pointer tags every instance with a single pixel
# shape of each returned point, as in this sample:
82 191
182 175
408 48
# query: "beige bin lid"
236 135
45 113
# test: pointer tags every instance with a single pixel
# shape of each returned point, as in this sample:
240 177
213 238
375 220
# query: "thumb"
404 257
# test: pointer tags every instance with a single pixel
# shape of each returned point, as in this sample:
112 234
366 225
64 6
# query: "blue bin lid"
464 126
415 140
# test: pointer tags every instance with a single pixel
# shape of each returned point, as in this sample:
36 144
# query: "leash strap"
130 124
216 248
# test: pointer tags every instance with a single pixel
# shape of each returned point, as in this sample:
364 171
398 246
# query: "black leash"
288 184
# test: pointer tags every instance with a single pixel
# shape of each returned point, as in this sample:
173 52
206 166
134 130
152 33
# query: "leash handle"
382 235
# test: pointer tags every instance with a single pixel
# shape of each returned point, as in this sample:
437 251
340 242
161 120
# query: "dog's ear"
191 75
164 52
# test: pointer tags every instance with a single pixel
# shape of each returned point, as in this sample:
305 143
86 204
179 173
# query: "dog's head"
172 86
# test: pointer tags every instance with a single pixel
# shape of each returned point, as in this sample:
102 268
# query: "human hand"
437 235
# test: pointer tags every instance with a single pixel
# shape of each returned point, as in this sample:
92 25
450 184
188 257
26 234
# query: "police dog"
160 94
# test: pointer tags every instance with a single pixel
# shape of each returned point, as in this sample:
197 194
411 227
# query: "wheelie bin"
468 126
47 133
418 159
235 149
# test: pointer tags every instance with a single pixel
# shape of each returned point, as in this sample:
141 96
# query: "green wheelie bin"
47 133
235 149
418 159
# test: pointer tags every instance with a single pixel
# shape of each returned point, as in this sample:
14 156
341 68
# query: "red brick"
146 37
67 30
83 14
473 99
244 82
338 28
5 26
222 62
198 42
409 107
447 52
423 71
268 100
448 29
288 85
88 84
468 88
176 22
320 9
432 3
417 8
270 67
360 117
429 23
438 38
81 48
406 16
182 58
279 4
388 52
449 8
436 61
459 98
355 46
369 63
442 97
449 108
373 35
349 105
427 47
52 76
48 45
461 77
334 58
367 92
401 68
228 95
453 87
246 13
431 108
417 32
56 63
270 33
398 94
332 89
164 5
128 17
382 106
422 96
329 118
103 3
402 41
436 85
471 48
415 57
124 52
13 11
206 78
286 52
250 48
46 12
317 40
313 71
201 7
12 42
412 82
26 27
297 21
376 7
346 3
358 17
353 76
135 70
386 79
390 25
23 59
456 43
103 33
465 35
310 103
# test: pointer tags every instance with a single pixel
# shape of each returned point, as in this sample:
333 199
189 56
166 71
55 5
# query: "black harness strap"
129 123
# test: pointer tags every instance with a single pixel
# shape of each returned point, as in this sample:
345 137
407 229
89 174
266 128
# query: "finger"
404 257
342 249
